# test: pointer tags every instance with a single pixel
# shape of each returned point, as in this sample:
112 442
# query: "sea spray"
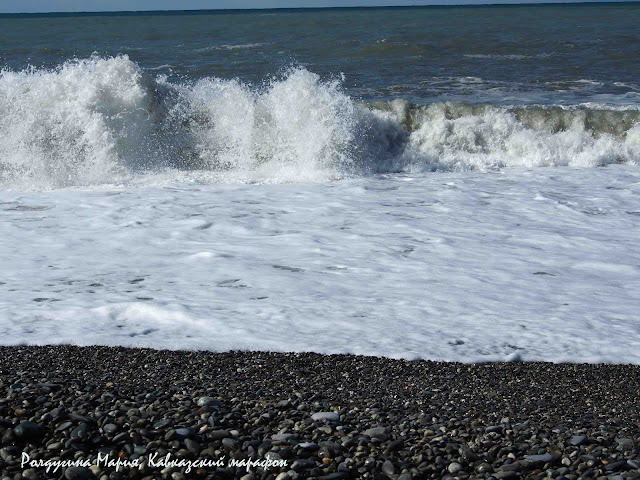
106 121
291 130
76 125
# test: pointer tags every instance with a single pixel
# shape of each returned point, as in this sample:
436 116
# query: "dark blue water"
497 54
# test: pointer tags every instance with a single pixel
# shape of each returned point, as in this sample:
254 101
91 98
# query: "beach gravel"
315 416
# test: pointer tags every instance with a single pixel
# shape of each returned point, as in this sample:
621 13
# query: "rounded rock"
30 474
78 473
388 468
326 416
209 402
110 428
29 431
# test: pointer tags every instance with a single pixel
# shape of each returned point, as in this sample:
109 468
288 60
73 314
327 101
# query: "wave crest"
461 136
104 120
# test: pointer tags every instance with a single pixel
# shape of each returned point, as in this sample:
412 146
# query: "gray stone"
346 465
273 456
140 449
388 468
540 459
164 423
63 426
467 454
509 467
30 474
505 475
624 444
395 445
80 418
209 402
484 468
80 431
377 432
302 464
282 437
308 446
230 443
121 437
192 446
577 440
218 434
78 473
49 386
616 466
184 433
110 428
326 416
334 476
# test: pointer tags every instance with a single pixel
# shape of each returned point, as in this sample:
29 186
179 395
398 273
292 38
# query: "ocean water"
443 183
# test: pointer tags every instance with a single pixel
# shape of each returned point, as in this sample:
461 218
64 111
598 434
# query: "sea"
443 183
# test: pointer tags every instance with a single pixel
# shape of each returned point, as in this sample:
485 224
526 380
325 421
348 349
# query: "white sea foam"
536 265
105 121
483 261
240 46
508 56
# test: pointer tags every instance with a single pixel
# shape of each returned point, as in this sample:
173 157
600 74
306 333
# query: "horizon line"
525 3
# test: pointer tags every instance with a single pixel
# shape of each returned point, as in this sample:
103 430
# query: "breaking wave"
106 121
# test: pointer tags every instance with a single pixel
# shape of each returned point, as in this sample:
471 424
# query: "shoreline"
320 416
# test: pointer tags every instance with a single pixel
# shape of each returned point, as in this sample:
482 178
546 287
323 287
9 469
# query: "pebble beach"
112 412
